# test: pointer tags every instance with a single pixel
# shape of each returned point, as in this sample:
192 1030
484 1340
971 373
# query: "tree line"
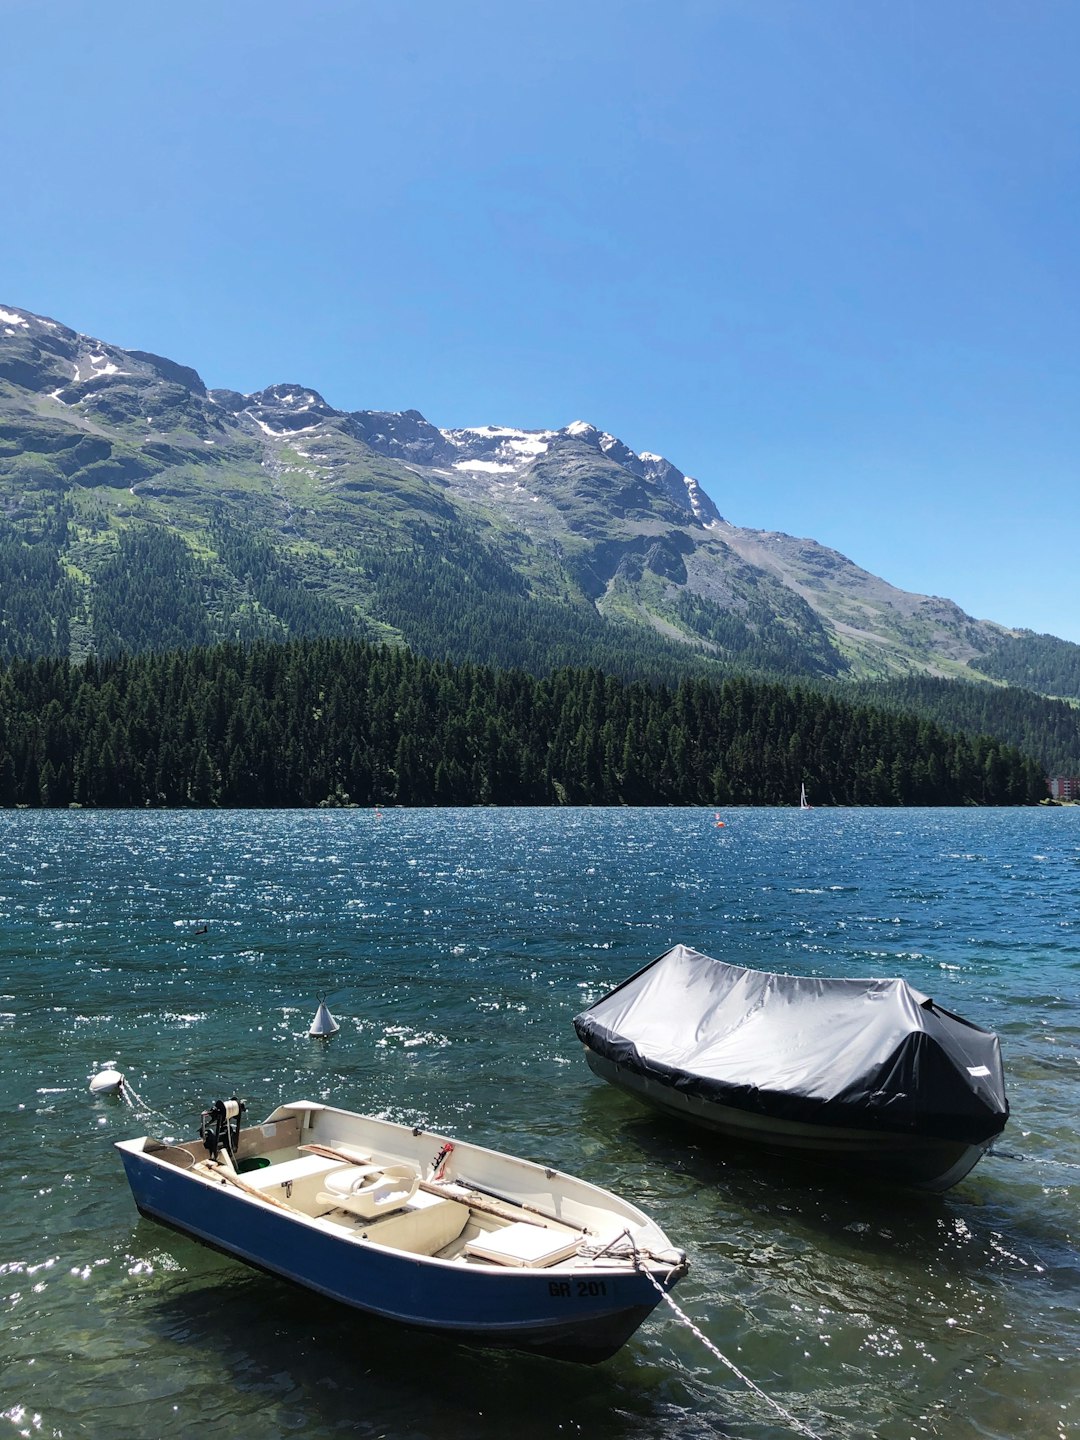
1035 662
64 592
1048 730
340 722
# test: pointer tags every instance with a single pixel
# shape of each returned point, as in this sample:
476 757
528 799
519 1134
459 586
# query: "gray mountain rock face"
569 516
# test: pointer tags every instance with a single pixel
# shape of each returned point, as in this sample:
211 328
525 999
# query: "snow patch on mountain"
104 366
488 467
281 434
703 508
496 448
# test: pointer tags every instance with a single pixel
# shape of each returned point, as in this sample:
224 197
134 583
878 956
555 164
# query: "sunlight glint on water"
455 947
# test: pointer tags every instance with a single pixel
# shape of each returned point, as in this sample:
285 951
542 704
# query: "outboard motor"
220 1128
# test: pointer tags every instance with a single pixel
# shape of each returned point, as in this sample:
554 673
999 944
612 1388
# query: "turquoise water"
456 946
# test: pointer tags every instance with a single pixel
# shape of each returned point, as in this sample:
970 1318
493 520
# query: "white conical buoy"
106 1082
324 1023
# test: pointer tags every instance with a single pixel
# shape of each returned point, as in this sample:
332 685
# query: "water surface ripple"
456 947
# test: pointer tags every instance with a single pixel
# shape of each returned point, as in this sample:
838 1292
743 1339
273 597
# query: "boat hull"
585 1314
921 1163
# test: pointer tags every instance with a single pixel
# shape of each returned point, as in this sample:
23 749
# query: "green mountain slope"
140 511
1048 730
1035 662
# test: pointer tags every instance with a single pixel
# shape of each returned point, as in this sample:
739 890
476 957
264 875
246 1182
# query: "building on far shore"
1064 787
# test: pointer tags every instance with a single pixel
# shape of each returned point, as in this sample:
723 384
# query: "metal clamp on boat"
219 1129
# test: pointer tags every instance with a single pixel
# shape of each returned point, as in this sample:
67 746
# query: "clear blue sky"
822 254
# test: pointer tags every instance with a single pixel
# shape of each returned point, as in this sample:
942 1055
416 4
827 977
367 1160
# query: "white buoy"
107 1082
324 1023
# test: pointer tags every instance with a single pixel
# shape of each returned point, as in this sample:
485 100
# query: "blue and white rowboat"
412 1226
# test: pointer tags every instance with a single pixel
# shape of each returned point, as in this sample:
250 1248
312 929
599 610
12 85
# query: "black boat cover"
865 1054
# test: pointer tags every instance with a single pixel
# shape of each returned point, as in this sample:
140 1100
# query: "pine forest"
338 722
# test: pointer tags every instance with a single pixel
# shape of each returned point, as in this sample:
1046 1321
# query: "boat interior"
381 1199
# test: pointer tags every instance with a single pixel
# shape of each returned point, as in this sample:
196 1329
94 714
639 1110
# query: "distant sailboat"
803 803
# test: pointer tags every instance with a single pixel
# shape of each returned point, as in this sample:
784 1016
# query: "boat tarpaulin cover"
869 1054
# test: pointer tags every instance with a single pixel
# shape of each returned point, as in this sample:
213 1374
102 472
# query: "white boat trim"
480 1244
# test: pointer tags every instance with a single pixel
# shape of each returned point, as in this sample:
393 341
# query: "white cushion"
528 1246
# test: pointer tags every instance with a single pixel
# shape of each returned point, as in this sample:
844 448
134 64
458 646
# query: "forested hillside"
141 511
335 722
1047 730
1035 662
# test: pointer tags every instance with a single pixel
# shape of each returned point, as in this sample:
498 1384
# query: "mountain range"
139 509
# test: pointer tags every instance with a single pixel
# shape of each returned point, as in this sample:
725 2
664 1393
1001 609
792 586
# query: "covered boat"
413 1226
867 1074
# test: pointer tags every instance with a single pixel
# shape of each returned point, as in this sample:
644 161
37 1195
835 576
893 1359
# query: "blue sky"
823 256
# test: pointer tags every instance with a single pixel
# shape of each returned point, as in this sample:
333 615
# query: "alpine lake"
189 950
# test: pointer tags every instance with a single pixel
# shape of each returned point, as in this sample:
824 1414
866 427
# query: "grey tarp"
870 1054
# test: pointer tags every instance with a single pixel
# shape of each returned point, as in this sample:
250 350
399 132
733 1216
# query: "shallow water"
456 947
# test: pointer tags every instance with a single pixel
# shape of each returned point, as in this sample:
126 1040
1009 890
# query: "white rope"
791 1419
139 1105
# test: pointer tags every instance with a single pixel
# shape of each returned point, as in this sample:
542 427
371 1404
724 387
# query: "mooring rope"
1032 1159
715 1351
139 1105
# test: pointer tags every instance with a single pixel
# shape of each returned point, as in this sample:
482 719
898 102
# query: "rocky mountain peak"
497 449
655 470
286 409
102 383
13 320
553 513
401 435
171 371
